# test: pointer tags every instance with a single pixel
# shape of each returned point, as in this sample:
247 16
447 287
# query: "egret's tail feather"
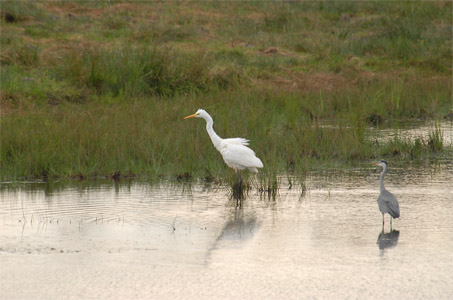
253 169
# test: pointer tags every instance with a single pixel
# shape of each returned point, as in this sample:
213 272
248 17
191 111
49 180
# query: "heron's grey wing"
391 203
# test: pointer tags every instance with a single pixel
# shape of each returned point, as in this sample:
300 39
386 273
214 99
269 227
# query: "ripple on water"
142 241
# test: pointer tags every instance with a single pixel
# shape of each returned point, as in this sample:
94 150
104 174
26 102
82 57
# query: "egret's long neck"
214 137
382 178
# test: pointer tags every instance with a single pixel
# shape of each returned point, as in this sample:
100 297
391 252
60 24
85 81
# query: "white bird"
234 151
386 201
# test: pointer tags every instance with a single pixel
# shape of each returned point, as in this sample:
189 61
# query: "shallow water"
413 130
98 240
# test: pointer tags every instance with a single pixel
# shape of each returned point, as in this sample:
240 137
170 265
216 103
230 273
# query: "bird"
234 151
387 202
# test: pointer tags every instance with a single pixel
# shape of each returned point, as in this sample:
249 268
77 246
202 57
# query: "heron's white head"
381 163
201 113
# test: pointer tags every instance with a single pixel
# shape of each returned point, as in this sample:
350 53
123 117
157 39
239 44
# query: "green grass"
150 138
141 72
93 89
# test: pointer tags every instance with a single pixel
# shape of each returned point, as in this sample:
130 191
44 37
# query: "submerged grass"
100 89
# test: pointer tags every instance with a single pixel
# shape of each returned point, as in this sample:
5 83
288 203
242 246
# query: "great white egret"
386 201
234 151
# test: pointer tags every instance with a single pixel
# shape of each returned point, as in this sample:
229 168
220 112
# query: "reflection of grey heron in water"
388 240
387 201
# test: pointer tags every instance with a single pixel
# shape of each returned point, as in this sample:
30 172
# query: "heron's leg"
383 220
391 223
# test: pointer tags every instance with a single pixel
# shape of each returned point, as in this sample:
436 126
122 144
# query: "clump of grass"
400 146
21 54
145 71
435 139
269 184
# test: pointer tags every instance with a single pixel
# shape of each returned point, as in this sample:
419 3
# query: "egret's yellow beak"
191 116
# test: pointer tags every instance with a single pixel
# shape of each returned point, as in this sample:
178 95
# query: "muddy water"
134 240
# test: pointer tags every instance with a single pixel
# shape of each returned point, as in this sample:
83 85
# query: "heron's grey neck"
382 178
212 134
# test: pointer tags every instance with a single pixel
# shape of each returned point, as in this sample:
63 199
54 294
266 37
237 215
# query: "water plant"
435 139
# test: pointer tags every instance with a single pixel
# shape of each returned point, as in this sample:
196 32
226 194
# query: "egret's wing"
392 204
237 141
240 155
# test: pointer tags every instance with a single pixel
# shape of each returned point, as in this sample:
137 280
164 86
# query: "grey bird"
387 201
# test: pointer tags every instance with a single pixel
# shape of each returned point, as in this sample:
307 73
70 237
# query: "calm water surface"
413 130
134 240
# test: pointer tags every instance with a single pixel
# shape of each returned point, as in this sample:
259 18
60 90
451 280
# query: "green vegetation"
100 89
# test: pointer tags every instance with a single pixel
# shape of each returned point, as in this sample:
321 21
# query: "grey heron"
386 201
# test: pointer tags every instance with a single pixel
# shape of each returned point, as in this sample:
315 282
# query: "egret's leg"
237 188
240 179
240 183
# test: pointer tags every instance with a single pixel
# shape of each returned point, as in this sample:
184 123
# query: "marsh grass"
150 138
436 139
95 89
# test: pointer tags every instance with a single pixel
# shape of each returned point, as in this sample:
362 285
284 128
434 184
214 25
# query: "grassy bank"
97 89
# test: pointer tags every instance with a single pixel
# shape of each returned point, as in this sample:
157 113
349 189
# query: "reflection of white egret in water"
388 240
234 151
238 230
387 201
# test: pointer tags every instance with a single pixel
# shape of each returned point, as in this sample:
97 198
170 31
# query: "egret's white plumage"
386 201
234 151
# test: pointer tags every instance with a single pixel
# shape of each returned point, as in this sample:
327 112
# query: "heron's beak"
375 164
191 116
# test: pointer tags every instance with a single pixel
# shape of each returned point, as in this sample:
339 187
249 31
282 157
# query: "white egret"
386 201
234 151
